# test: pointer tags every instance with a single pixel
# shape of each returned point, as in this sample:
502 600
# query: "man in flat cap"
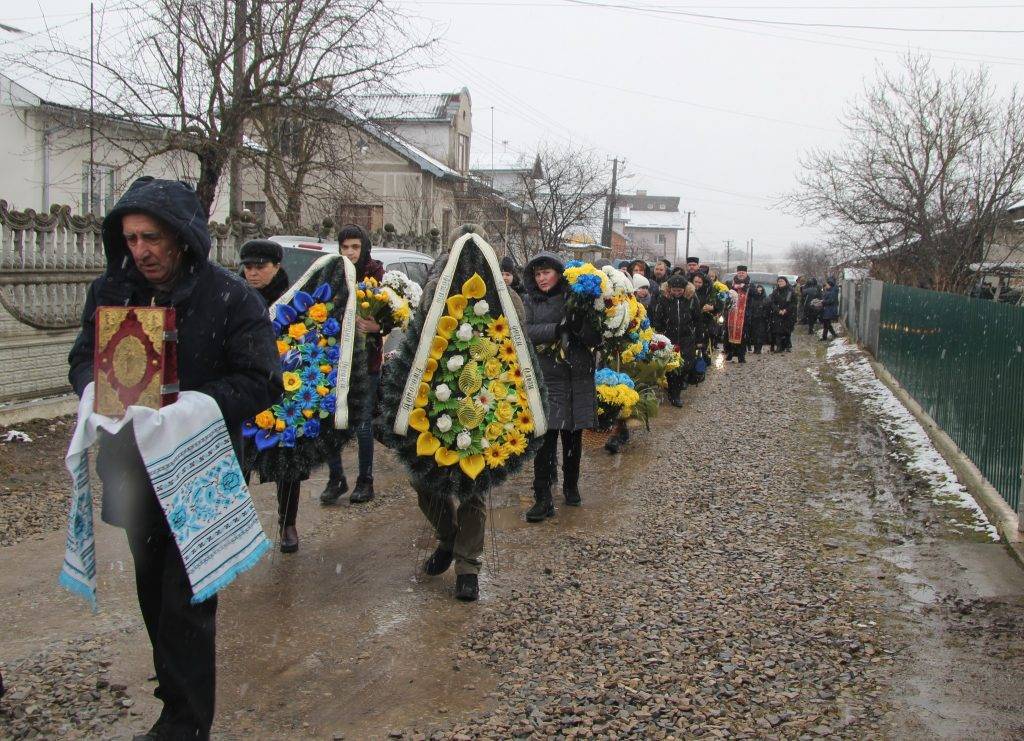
692 267
261 268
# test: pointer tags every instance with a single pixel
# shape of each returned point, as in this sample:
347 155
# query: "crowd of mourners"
157 244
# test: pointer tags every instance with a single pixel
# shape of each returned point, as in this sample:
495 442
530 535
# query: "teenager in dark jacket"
783 303
829 309
354 243
759 309
261 268
710 309
566 355
157 245
677 317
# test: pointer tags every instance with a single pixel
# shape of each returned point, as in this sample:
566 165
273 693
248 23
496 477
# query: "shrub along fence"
962 360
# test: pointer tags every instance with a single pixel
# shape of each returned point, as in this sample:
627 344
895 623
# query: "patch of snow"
857 375
16 436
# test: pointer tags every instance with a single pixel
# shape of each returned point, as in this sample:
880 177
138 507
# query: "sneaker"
572 496
333 491
439 562
363 491
467 588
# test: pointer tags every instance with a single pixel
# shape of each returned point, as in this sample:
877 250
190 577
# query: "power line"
796 24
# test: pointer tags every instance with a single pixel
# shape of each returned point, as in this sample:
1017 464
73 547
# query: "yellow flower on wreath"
524 421
492 368
297 331
494 430
495 456
507 352
504 411
515 375
515 442
497 329
318 313
291 381
497 388
282 347
265 419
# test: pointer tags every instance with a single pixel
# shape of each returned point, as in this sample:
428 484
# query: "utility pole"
728 253
238 81
688 215
606 231
92 118
751 261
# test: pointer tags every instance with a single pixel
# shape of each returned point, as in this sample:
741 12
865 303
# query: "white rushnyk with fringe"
857 375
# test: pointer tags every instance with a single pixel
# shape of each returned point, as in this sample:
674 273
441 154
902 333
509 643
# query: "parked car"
764 279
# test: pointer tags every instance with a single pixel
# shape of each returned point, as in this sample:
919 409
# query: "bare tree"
921 184
810 259
567 190
192 75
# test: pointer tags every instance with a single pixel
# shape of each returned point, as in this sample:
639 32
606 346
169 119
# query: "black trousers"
782 340
288 502
545 465
826 327
739 351
676 383
182 634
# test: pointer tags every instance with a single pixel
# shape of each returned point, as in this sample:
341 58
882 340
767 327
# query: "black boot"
363 491
542 507
676 400
333 491
467 588
439 562
289 539
572 496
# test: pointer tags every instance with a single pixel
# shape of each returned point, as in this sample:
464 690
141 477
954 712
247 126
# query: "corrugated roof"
634 219
411 107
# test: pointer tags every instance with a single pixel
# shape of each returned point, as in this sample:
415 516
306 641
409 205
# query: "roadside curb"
999 513
48 408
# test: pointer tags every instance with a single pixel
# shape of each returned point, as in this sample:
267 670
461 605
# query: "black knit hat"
508 265
677 281
260 250
741 267
693 261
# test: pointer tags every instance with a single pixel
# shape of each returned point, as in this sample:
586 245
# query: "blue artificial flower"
290 360
290 413
645 323
331 327
302 301
249 429
279 328
311 375
574 264
329 403
286 315
323 292
332 378
588 285
307 396
266 440
288 438
311 428
333 354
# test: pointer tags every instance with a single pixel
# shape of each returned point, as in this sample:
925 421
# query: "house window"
288 137
98 195
463 153
370 217
258 209
660 239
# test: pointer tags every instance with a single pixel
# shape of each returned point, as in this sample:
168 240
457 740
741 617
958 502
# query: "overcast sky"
714 111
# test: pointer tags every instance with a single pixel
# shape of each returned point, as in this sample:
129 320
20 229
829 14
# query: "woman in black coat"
677 316
829 309
759 309
567 362
783 303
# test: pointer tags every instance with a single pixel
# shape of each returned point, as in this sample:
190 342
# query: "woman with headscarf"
757 331
566 355
829 309
354 243
783 303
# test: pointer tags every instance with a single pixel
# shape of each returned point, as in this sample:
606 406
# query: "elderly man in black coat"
157 245
569 377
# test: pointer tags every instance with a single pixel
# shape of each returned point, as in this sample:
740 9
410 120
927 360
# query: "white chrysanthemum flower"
464 440
443 392
485 399
480 308
465 332
455 362
444 422
485 443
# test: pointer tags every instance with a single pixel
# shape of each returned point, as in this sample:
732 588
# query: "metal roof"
409 107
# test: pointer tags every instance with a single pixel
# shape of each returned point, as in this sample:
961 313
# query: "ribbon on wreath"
517 335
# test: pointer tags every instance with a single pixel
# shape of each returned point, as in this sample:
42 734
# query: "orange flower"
297 331
265 419
282 347
318 313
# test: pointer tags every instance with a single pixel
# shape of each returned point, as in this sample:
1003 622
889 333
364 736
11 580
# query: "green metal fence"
962 359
